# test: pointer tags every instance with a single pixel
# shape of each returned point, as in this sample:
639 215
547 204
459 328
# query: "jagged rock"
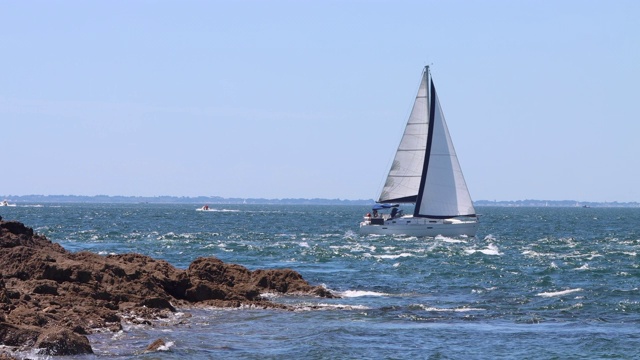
158 303
18 335
59 341
155 346
52 298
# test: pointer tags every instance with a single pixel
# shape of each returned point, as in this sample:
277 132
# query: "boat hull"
420 227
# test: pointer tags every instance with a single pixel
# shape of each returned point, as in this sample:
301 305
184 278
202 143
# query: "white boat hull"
412 226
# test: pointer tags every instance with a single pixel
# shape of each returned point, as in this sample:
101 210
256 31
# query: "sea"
534 283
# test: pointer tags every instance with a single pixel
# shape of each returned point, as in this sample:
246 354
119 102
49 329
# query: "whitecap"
359 293
584 267
118 335
324 306
350 234
453 241
461 309
531 253
393 256
483 290
558 293
269 295
166 347
489 238
448 239
490 250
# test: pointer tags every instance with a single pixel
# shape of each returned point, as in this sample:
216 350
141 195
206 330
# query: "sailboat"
424 172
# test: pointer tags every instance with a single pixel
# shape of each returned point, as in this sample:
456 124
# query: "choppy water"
535 283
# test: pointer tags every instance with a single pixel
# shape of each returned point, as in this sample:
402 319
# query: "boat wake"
218 210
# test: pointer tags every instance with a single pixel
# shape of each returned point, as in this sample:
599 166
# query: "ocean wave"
166 346
483 290
360 293
449 240
490 250
584 267
459 309
325 306
393 256
559 293
532 253
489 238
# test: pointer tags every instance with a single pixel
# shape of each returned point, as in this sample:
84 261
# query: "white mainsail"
425 170
405 174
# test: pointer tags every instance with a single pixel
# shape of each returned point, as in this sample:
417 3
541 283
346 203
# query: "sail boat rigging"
426 172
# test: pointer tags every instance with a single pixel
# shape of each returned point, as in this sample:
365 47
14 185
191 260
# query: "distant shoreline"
555 203
106 199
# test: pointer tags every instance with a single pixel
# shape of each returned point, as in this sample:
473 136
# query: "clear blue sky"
280 99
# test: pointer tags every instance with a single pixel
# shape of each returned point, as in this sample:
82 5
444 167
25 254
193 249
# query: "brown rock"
16 335
59 341
51 297
154 346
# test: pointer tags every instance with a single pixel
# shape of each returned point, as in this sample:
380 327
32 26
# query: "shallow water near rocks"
538 283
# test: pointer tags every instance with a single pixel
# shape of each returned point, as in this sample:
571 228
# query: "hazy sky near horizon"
288 99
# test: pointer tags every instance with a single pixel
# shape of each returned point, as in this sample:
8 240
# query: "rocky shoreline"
52 298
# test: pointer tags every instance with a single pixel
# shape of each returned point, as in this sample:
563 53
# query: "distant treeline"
173 200
316 201
555 203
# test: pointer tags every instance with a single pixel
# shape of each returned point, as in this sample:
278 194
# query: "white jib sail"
445 191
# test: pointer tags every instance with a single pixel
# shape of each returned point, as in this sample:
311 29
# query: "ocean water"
535 283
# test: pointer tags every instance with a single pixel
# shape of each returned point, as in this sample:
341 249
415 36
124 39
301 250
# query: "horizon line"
8 197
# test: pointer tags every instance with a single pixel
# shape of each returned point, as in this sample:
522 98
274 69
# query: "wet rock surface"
51 298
